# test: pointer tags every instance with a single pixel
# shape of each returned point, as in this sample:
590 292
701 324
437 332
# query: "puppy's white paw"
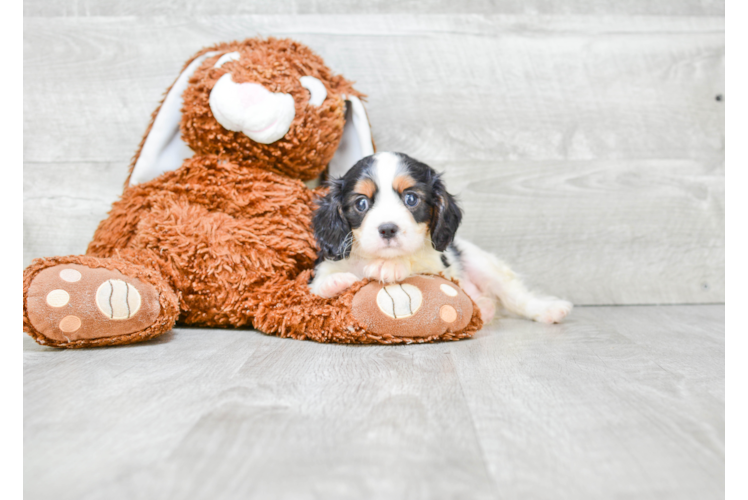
549 310
387 271
335 284
393 271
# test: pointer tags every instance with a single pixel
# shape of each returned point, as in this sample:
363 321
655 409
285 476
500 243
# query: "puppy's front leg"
332 284
388 270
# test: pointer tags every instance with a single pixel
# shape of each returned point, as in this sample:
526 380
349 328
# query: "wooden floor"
619 402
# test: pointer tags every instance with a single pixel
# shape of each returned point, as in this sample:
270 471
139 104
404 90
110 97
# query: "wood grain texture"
618 402
600 232
440 87
615 399
62 210
588 150
45 8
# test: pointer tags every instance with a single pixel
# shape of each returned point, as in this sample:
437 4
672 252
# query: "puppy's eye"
362 204
411 199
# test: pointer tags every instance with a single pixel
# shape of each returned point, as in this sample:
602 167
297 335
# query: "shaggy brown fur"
226 239
216 231
310 144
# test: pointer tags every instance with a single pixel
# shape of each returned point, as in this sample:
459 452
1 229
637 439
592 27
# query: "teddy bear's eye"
317 90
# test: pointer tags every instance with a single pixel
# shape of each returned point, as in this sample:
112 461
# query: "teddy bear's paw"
550 310
419 306
72 302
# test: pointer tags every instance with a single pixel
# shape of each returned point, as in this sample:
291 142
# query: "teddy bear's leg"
420 309
82 301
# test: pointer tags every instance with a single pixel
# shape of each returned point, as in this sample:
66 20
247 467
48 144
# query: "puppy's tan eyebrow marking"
366 187
403 182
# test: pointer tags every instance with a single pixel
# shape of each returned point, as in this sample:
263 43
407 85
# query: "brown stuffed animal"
214 225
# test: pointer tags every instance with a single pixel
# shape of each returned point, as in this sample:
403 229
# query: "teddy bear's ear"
356 142
163 149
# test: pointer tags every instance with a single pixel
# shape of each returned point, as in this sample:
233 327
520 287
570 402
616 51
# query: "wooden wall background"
585 138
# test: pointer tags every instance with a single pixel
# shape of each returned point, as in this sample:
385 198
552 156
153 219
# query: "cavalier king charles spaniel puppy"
390 217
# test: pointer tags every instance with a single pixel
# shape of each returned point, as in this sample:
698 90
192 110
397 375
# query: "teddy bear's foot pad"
417 307
73 302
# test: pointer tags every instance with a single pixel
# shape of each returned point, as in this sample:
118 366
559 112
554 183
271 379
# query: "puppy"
390 217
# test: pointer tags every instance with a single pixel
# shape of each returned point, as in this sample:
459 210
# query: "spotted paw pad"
419 306
71 302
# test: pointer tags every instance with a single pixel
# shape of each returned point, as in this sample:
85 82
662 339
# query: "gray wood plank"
623 402
248 416
601 232
45 8
62 211
440 87
617 403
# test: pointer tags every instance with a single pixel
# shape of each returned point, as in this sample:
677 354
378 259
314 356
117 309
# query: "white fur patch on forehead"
387 204
386 167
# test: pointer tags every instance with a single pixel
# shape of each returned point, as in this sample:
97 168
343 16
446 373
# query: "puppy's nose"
388 231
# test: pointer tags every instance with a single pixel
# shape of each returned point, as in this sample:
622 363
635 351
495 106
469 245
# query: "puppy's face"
388 205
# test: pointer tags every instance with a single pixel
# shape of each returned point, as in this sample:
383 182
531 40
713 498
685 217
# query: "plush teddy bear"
213 228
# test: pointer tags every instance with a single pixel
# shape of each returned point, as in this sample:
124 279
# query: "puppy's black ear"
331 228
446 216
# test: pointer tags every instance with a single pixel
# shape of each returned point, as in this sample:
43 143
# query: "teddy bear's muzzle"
250 108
